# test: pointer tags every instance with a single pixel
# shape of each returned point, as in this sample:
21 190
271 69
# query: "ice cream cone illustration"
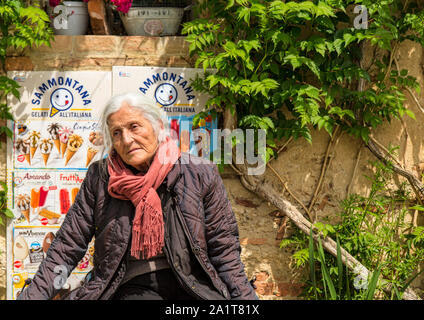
45 157
28 158
74 143
32 151
34 137
23 202
22 146
57 144
91 152
53 130
46 146
64 135
26 214
63 147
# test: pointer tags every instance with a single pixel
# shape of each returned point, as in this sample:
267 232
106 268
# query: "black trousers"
157 285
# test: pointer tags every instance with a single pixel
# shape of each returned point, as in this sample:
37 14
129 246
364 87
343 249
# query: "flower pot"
71 21
152 21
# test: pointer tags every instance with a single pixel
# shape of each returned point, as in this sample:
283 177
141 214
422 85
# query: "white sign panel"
47 160
172 89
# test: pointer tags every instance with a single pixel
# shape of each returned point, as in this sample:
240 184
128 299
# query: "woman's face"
133 136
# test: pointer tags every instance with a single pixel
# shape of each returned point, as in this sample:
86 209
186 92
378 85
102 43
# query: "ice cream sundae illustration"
23 202
74 143
46 146
64 134
22 146
34 138
53 130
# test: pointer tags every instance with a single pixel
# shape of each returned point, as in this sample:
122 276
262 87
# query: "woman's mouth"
133 150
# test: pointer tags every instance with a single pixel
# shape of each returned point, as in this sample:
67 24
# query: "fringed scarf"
148 225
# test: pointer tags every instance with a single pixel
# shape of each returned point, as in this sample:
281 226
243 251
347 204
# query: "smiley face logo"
61 99
166 94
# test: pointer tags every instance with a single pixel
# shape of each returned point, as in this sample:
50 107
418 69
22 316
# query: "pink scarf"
148 225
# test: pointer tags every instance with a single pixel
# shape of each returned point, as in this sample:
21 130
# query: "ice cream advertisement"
54 144
30 246
56 138
44 198
54 124
172 90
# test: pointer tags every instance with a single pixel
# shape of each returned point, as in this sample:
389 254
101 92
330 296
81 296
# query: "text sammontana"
62 82
172 77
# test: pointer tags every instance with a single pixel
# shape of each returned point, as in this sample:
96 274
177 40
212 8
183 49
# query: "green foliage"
3 203
340 289
295 64
21 26
376 231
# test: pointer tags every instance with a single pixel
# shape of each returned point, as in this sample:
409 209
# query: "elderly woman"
162 222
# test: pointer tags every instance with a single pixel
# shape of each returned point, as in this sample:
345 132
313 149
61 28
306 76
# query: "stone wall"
299 164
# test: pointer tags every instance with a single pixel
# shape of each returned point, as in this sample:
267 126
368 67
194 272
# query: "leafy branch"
290 67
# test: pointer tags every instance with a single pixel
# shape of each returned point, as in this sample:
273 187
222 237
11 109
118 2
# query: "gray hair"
150 110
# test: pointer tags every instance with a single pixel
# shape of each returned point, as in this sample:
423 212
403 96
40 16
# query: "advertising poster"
172 90
50 151
48 157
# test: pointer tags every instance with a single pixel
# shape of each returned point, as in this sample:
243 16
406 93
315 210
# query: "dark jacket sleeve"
223 240
68 247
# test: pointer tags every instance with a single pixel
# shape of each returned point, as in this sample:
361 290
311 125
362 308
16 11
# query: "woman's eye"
134 126
115 133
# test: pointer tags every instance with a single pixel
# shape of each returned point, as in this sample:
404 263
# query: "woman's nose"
126 137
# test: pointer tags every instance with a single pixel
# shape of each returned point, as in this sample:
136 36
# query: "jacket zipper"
181 282
194 249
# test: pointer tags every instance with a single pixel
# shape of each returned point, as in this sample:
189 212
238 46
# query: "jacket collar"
174 175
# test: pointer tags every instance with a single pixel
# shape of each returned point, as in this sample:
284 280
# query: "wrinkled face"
133 136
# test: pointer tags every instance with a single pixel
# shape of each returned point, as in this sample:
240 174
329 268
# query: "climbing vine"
290 67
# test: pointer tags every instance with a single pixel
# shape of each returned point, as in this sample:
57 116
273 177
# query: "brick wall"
261 254
101 53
